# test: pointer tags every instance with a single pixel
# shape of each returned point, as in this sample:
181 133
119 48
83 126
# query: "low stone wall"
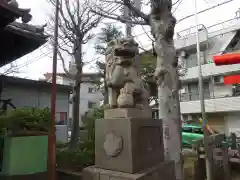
68 175
35 176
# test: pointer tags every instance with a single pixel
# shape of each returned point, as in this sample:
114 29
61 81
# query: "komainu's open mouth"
124 53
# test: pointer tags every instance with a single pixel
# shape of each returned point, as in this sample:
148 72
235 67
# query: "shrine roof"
9 13
17 39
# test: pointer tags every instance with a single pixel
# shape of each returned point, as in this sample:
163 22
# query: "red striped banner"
234 79
226 59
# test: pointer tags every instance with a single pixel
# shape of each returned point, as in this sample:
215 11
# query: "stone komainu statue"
126 89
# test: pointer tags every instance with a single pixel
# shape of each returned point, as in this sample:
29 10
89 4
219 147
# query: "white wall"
222 90
218 40
189 41
95 97
233 123
228 104
85 98
66 81
35 97
211 70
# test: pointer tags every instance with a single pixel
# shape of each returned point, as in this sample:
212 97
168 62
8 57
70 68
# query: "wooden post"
227 175
238 148
52 135
199 165
209 153
234 141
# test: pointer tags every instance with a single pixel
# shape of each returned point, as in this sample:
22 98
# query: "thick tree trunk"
162 25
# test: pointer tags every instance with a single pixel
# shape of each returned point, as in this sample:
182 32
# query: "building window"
90 90
91 105
191 61
71 84
184 95
61 118
236 90
71 98
193 90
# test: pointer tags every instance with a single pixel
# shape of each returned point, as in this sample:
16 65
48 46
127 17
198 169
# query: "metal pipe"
201 92
51 135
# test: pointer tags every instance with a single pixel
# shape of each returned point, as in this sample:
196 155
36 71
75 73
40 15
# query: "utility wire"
186 17
180 2
46 53
27 62
215 6
49 52
175 2
206 2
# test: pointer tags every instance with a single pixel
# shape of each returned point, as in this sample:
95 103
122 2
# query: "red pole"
51 135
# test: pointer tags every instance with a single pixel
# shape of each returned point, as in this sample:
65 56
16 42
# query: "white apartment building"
222 102
90 97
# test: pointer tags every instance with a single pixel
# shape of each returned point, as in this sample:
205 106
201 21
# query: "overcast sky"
40 61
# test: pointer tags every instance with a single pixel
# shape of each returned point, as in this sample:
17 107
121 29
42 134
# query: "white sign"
62 133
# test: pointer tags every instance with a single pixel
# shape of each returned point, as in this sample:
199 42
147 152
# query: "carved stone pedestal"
162 171
127 113
128 144
130 148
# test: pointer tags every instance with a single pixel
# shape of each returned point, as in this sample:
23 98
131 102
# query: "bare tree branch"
147 34
70 75
137 12
119 18
92 25
133 9
76 23
70 14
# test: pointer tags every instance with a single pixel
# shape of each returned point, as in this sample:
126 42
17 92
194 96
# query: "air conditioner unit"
218 79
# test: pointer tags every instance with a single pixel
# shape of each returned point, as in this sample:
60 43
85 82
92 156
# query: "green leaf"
29 119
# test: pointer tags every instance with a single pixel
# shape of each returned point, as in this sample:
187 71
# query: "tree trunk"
75 117
105 92
76 94
162 26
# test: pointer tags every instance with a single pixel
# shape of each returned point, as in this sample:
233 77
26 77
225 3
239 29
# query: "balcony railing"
209 29
190 31
193 96
184 97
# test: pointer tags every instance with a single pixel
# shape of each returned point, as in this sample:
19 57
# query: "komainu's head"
123 47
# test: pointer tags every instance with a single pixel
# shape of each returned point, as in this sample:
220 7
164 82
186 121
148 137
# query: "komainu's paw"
108 106
139 106
159 72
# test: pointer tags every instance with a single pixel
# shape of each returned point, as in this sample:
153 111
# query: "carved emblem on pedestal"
113 144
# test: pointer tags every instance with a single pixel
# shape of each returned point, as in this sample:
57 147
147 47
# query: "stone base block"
128 144
35 176
162 171
127 113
